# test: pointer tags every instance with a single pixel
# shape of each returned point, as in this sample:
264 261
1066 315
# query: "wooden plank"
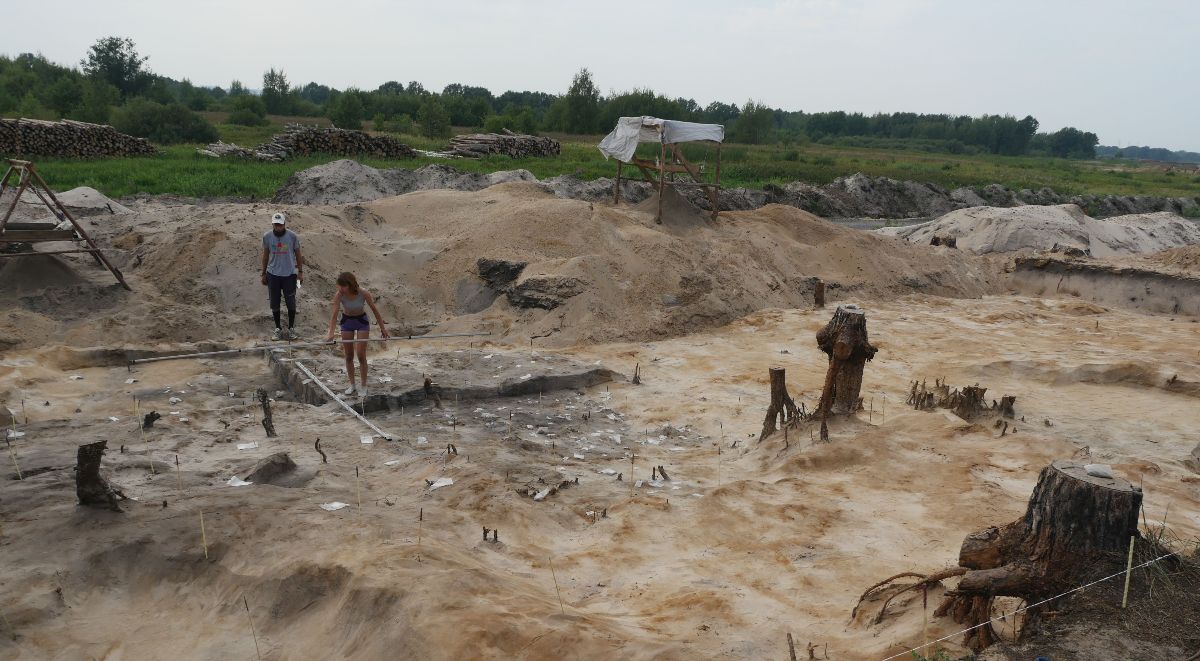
36 236
46 252
30 226
662 180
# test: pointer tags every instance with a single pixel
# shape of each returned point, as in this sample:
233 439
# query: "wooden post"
791 647
782 410
819 293
716 208
617 186
662 175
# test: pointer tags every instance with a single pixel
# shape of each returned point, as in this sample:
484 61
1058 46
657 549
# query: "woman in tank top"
352 301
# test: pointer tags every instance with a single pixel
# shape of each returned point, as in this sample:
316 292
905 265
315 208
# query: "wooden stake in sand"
257 652
556 590
791 647
420 527
137 418
13 455
1128 572
12 631
178 475
357 491
203 535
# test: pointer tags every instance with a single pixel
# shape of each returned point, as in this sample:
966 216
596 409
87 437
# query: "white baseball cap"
279 218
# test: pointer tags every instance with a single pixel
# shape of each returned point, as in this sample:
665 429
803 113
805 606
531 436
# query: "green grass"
179 170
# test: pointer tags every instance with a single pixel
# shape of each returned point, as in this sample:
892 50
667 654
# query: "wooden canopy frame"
28 179
662 174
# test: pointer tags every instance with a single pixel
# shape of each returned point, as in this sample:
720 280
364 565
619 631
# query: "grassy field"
179 170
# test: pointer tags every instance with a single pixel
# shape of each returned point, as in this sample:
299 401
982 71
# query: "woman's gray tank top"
352 306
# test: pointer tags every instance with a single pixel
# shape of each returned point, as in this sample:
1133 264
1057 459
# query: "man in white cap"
282 268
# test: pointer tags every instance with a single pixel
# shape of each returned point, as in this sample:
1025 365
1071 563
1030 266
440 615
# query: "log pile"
513 145
302 140
68 138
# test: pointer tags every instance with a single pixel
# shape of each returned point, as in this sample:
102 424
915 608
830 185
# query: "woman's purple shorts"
352 324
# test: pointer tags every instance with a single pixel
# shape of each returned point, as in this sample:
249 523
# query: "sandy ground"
744 543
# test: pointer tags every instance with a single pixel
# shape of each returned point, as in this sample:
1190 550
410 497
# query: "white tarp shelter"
622 142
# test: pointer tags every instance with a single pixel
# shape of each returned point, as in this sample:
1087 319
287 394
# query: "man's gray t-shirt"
282 252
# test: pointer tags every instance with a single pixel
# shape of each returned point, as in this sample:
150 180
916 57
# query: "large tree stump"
90 488
782 410
844 340
1073 522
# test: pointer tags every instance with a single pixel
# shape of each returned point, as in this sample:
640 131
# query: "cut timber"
782 410
89 486
844 340
1073 522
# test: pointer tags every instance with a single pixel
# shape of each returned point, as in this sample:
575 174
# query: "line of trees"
1148 154
114 85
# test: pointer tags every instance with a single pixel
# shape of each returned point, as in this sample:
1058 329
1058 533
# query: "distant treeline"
113 85
1148 154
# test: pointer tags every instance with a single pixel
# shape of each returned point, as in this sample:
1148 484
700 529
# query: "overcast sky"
1125 70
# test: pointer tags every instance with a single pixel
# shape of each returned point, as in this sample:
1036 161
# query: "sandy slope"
195 268
756 542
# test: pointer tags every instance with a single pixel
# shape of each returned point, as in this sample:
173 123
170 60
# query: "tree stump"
819 293
90 488
268 422
844 340
782 409
1073 522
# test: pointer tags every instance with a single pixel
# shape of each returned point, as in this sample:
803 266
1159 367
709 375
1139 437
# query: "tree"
248 110
583 103
755 123
236 88
416 89
433 119
65 95
164 124
276 92
116 61
99 97
391 87
347 111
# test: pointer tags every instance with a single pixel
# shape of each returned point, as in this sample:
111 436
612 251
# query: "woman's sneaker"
348 391
277 335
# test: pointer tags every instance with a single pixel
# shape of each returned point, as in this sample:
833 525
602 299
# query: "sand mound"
34 274
590 272
80 202
345 181
990 229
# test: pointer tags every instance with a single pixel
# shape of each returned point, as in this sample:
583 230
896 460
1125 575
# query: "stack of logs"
35 137
302 140
513 145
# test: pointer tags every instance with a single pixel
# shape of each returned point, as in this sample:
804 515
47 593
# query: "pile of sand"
991 230
80 202
345 181
591 272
